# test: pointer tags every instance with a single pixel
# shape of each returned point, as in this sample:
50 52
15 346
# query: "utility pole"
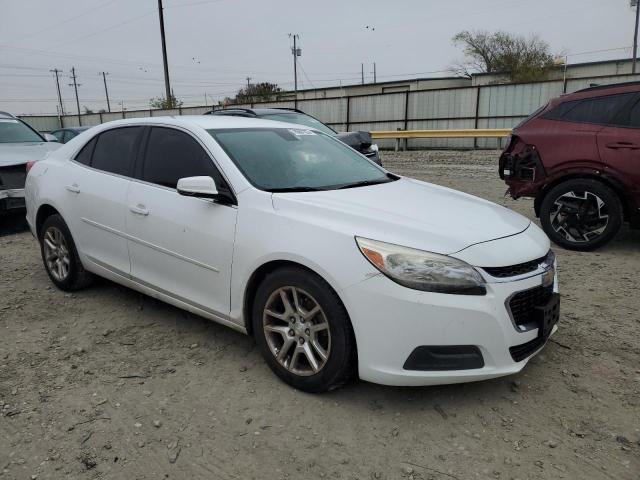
56 71
106 92
248 82
375 78
362 72
296 53
167 85
75 86
635 35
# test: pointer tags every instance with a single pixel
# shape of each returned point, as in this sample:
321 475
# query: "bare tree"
523 59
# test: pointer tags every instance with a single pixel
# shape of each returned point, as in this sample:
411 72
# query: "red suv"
579 156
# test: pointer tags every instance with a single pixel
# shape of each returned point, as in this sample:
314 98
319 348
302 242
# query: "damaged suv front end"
520 164
521 167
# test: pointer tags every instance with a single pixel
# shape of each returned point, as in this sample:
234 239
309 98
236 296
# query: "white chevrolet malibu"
337 267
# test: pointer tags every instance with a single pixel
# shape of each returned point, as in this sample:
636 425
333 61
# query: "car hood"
19 153
405 212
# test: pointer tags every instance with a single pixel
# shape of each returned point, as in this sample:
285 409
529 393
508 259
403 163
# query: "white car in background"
337 267
19 145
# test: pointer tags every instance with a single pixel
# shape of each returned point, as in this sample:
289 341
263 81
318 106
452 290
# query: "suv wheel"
581 214
60 256
303 330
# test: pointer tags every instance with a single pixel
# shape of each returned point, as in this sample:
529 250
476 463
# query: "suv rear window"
599 110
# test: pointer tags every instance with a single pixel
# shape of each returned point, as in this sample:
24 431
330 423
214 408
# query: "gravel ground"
108 383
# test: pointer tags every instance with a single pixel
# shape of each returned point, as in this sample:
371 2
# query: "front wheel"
581 214
303 330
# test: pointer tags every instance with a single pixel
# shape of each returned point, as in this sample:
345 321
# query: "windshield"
300 119
296 159
14 131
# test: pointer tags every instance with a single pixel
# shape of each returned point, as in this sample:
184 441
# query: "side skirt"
98 268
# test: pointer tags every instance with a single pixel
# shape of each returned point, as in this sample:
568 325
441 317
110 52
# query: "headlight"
422 270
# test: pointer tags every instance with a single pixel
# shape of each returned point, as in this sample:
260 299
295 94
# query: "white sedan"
337 267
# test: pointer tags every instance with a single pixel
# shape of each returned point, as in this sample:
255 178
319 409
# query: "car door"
179 245
96 190
619 147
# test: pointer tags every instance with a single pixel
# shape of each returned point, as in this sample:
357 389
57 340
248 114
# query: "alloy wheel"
297 331
56 254
579 216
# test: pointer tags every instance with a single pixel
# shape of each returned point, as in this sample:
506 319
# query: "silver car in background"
20 146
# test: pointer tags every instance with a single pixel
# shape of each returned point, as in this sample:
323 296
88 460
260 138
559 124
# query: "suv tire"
581 214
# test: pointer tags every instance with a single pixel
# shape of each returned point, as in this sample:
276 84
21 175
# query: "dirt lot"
107 383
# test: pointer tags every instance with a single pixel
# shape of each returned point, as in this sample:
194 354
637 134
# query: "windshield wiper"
295 189
364 183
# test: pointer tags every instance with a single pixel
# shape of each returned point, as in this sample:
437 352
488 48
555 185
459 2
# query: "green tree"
523 59
257 92
165 103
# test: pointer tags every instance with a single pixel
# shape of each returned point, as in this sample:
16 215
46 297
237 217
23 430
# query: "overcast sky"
214 44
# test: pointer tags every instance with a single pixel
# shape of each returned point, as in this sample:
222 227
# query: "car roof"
206 122
599 91
257 111
7 115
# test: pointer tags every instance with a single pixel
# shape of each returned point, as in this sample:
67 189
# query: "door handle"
620 145
73 188
139 210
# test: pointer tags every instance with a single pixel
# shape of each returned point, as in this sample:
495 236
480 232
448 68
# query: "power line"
57 24
106 29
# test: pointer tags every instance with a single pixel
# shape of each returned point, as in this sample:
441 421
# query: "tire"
581 214
328 330
55 233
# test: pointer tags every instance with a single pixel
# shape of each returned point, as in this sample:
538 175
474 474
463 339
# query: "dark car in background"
360 141
20 146
63 135
579 157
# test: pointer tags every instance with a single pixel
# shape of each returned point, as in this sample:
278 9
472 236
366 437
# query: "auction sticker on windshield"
300 131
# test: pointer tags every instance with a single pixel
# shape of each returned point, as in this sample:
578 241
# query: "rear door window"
115 150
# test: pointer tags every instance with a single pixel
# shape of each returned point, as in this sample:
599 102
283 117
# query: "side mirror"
50 138
202 187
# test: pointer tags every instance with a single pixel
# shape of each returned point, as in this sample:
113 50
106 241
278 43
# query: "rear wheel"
303 330
60 256
581 214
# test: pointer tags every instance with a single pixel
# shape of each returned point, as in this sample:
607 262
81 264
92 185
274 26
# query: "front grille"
13 177
522 304
514 270
520 352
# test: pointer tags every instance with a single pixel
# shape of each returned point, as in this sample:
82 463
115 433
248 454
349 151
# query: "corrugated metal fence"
487 106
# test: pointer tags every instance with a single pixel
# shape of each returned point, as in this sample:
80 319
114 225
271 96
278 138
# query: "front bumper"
11 200
391 321
374 156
